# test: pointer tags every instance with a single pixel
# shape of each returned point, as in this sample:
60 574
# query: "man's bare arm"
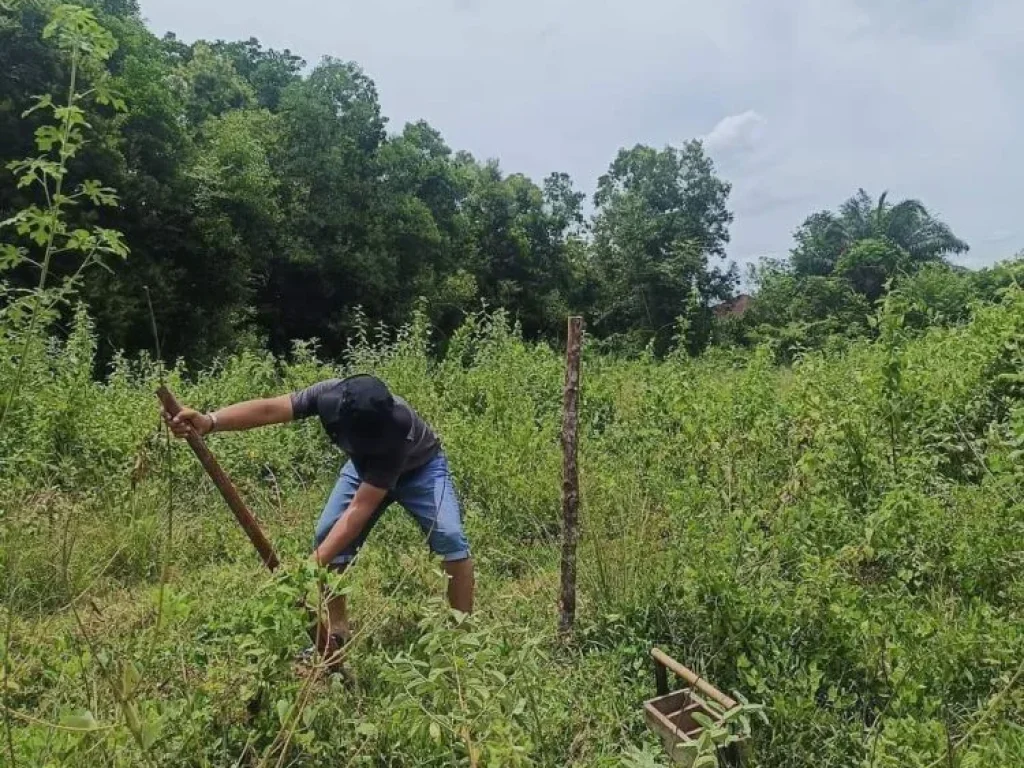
366 500
233 418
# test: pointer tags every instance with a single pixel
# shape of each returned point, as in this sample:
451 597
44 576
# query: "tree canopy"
661 218
265 201
825 236
845 261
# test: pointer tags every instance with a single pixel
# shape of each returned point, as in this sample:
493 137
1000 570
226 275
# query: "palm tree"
825 236
907 224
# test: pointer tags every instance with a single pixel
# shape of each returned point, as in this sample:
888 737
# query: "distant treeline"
264 202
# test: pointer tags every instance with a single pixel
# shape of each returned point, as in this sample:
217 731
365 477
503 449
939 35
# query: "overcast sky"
799 101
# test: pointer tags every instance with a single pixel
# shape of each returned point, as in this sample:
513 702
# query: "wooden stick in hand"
227 489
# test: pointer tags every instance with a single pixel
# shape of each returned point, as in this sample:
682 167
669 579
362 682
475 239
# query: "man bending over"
393 455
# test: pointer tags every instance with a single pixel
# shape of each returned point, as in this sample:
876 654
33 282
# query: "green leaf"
435 731
97 193
151 732
26 179
130 677
308 716
80 240
366 729
112 242
10 255
42 102
703 720
70 116
46 137
732 714
81 720
689 748
283 708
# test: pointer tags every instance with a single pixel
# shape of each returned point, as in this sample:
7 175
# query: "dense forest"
265 200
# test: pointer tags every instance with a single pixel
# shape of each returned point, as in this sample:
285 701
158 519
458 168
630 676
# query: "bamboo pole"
227 489
662 660
570 474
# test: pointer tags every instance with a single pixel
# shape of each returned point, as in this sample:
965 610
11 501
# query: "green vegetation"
816 505
839 541
844 263
265 201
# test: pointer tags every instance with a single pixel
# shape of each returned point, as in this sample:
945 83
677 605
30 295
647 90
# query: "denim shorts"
427 493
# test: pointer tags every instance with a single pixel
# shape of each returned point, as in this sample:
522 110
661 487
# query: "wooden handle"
693 679
224 485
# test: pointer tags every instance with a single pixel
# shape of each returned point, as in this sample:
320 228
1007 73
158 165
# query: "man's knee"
450 544
447 537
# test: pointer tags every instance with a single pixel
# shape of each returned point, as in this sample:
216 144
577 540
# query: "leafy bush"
838 540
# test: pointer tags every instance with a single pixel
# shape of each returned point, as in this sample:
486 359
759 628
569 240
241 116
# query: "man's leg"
461 584
337 609
429 495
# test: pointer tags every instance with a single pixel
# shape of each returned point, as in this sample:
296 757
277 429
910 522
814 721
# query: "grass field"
839 540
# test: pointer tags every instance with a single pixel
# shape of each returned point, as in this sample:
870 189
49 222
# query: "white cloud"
736 132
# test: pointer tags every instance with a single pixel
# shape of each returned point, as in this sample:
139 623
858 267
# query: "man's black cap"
362 417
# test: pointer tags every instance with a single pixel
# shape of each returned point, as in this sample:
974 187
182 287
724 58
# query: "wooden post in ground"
570 474
224 485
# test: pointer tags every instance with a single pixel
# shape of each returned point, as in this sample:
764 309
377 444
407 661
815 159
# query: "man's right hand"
189 420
